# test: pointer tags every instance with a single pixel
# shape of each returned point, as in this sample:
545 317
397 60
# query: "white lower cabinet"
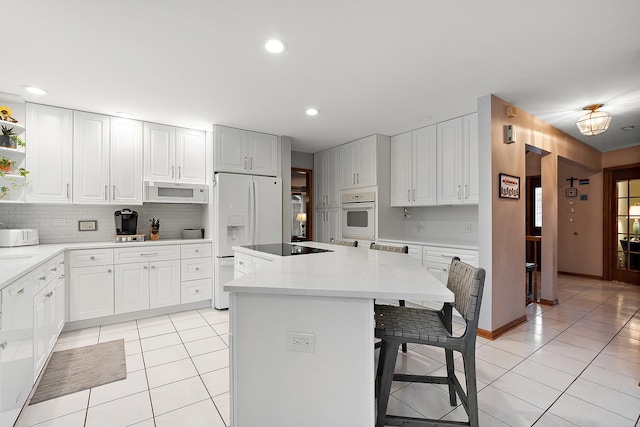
90 292
196 272
245 264
146 277
16 348
437 259
48 310
327 225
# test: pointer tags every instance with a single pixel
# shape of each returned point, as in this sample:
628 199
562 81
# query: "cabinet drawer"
151 253
196 250
90 257
445 255
242 263
195 268
195 290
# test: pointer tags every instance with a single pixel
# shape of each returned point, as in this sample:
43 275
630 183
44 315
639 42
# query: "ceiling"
369 66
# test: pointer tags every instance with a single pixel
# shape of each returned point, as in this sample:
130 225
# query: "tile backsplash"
59 223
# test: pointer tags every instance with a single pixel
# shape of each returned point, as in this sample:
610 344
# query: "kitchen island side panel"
270 385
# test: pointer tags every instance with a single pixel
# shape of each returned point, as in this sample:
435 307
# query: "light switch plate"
87 225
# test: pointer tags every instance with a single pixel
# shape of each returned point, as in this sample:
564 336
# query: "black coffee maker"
126 221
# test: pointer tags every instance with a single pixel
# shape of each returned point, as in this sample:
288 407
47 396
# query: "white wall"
441 224
301 160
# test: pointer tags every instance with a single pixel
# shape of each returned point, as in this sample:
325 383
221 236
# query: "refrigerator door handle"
254 215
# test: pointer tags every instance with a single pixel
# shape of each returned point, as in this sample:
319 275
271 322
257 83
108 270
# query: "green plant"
7 131
6 163
18 141
3 191
23 172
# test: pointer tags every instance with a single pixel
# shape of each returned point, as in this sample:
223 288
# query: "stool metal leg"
384 389
404 344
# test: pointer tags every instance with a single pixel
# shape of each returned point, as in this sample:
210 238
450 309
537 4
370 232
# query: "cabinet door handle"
358 177
150 254
459 192
354 178
251 163
414 194
197 268
92 257
109 270
245 163
466 192
68 190
114 191
173 171
197 250
408 195
42 278
49 294
105 191
179 172
152 267
4 345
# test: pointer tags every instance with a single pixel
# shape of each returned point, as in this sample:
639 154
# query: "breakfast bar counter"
302 335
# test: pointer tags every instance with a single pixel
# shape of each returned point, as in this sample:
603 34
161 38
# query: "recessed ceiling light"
312 112
628 128
275 46
124 114
34 90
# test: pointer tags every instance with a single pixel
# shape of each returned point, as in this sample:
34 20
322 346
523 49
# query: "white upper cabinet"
107 160
243 151
327 175
49 140
458 161
359 163
413 168
126 161
191 156
174 154
90 158
159 152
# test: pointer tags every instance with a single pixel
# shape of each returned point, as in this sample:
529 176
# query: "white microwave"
168 192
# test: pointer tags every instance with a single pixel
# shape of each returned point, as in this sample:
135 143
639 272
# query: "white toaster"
18 237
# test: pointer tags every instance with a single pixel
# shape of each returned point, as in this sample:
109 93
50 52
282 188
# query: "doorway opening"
301 204
622 224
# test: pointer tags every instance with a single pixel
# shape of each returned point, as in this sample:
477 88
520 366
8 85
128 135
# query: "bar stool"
399 249
530 267
400 325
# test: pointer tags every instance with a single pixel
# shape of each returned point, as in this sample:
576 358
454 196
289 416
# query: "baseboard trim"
549 301
492 335
586 276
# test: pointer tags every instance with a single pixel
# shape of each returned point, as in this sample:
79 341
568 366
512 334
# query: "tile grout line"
588 365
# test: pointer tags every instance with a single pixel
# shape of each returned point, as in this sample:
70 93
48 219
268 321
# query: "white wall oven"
359 216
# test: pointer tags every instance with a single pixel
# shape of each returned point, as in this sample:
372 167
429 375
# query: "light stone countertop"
16 261
345 272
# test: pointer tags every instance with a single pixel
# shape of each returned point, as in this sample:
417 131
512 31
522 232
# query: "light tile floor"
575 364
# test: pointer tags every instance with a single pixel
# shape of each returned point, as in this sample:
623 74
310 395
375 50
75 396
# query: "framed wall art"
509 186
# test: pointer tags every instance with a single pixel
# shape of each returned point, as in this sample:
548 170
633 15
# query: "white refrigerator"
247 211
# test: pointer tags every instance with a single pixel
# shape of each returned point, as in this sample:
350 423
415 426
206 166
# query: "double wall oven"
359 215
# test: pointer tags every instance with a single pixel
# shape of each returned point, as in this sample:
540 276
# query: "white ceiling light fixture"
312 112
34 90
594 122
275 46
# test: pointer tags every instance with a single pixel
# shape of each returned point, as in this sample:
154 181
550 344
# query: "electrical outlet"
87 225
301 341
466 227
59 221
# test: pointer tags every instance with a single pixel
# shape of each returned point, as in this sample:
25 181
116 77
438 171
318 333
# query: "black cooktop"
285 249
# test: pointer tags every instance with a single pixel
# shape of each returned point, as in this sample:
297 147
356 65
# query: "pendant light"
594 122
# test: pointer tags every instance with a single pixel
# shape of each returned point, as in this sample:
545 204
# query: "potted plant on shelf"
5 165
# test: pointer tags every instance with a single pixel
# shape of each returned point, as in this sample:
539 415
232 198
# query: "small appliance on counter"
10 237
126 226
193 233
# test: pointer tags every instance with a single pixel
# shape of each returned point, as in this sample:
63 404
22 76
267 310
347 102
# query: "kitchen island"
302 338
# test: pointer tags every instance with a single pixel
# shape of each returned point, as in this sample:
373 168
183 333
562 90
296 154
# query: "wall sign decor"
571 192
509 186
